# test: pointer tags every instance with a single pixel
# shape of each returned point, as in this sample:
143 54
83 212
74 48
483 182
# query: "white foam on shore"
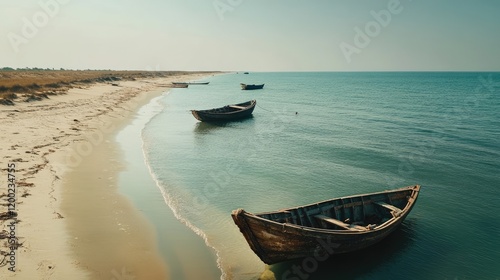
155 108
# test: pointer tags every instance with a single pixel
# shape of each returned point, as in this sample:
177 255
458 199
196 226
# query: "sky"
251 35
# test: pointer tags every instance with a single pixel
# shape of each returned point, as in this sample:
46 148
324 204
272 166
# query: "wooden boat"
249 87
190 83
335 226
226 113
179 85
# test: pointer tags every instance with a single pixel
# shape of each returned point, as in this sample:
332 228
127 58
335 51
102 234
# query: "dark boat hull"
297 233
190 83
227 113
251 87
179 85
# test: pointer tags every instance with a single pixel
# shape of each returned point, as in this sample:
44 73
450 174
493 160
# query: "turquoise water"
180 247
315 136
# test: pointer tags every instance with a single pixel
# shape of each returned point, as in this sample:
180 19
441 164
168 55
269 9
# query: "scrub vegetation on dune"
37 84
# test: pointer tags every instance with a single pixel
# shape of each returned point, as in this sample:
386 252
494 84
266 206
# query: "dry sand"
72 223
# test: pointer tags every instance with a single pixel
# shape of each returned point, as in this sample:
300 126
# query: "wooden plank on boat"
237 107
393 208
339 223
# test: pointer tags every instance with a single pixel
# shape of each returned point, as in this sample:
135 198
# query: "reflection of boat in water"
209 127
250 87
205 127
226 113
339 225
190 83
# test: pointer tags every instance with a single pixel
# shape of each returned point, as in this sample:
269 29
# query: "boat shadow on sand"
353 265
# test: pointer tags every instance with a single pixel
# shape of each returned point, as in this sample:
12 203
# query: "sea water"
315 136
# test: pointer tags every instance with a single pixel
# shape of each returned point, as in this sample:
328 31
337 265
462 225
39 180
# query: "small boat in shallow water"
334 226
226 113
250 87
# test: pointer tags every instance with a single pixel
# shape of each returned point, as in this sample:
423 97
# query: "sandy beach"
59 163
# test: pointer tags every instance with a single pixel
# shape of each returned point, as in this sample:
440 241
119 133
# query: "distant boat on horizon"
245 72
250 87
179 85
190 83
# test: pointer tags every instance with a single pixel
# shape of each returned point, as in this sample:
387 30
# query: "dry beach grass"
32 85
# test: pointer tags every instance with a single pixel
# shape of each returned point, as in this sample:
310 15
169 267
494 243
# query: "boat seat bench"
393 208
237 107
339 223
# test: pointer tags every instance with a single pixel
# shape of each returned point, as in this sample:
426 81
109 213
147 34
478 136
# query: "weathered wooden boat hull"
179 85
303 231
227 113
251 87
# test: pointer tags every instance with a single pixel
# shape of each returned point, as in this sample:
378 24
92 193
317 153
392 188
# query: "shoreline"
53 143
102 216
180 246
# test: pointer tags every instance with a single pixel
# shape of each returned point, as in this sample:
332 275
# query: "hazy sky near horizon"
252 35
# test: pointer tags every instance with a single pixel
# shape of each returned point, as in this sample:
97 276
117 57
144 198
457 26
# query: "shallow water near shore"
315 136
180 247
